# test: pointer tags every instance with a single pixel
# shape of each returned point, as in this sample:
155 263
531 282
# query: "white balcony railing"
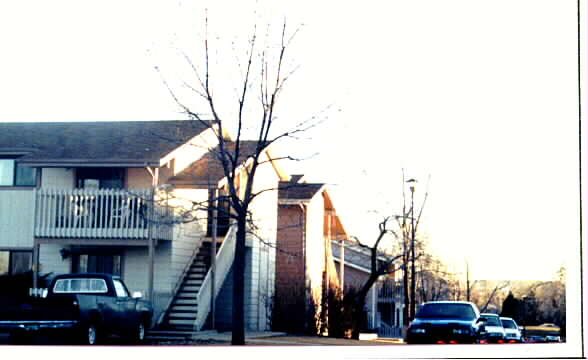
103 213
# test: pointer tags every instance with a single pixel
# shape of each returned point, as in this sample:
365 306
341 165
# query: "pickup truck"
89 306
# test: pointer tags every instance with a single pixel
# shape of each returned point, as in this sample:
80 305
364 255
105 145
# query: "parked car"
91 306
542 333
445 322
511 330
491 331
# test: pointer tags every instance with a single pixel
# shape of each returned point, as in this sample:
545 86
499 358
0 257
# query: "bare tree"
381 263
264 75
388 257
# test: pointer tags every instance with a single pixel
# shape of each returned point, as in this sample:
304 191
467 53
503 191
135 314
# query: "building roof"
298 191
105 143
208 169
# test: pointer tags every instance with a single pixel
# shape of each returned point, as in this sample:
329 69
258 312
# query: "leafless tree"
389 253
264 73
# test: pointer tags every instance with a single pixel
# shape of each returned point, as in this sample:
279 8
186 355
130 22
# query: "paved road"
285 340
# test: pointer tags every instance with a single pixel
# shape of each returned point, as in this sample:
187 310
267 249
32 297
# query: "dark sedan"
444 322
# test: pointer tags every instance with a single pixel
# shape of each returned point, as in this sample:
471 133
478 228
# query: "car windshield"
492 321
444 310
508 324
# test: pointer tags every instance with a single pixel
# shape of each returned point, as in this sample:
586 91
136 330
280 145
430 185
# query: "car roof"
449 302
489 314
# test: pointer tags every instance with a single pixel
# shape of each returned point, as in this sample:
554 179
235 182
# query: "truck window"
80 285
120 289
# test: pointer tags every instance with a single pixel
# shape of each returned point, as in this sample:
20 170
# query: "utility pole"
412 251
467 281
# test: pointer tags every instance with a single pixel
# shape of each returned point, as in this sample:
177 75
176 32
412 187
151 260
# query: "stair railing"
224 260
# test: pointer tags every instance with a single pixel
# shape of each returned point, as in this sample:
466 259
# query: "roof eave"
89 163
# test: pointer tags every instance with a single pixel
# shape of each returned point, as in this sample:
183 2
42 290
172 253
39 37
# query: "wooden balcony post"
151 245
213 256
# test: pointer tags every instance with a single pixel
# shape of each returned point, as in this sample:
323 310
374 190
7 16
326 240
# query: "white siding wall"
260 258
136 270
50 260
189 153
16 218
315 246
260 271
189 236
138 179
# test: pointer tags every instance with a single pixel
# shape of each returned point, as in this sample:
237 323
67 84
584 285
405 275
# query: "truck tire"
90 334
138 336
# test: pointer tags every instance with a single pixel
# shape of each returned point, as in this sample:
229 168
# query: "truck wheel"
90 334
139 334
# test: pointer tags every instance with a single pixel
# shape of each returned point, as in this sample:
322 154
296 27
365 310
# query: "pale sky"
480 95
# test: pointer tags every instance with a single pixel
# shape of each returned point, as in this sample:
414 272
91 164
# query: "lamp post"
412 183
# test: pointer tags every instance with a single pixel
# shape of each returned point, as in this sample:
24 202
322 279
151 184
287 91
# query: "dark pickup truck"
89 306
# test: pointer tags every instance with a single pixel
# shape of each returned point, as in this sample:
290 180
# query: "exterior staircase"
180 317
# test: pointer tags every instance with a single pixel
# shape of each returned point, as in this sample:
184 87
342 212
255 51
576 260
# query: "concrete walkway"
226 336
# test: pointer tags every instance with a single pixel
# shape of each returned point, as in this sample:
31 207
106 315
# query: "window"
15 261
97 263
223 210
120 289
95 286
446 310
12 174
103 178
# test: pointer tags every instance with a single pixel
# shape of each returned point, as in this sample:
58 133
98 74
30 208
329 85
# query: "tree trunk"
238 334
357 316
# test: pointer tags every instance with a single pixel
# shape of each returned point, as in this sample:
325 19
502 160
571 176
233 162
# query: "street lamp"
411 186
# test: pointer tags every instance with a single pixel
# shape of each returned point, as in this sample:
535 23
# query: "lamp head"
411 184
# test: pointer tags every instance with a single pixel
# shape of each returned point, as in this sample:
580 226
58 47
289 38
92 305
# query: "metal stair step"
186 310
169 333
186 322
190 288
184 301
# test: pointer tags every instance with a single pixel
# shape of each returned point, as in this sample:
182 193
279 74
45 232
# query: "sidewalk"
213 335
280 338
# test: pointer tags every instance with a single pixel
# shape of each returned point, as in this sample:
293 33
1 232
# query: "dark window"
223 212
508 324
492 320
13 174
97 263
15 261
102 178
446 310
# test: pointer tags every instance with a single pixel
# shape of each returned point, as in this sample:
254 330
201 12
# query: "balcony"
99 214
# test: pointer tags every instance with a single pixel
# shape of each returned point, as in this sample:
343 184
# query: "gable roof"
105 143
298 191
208 169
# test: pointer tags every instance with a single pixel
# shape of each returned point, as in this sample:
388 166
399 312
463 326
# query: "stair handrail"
179 281
224 260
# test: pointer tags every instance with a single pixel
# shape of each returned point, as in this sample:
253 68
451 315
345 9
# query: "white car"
511 330
492 330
